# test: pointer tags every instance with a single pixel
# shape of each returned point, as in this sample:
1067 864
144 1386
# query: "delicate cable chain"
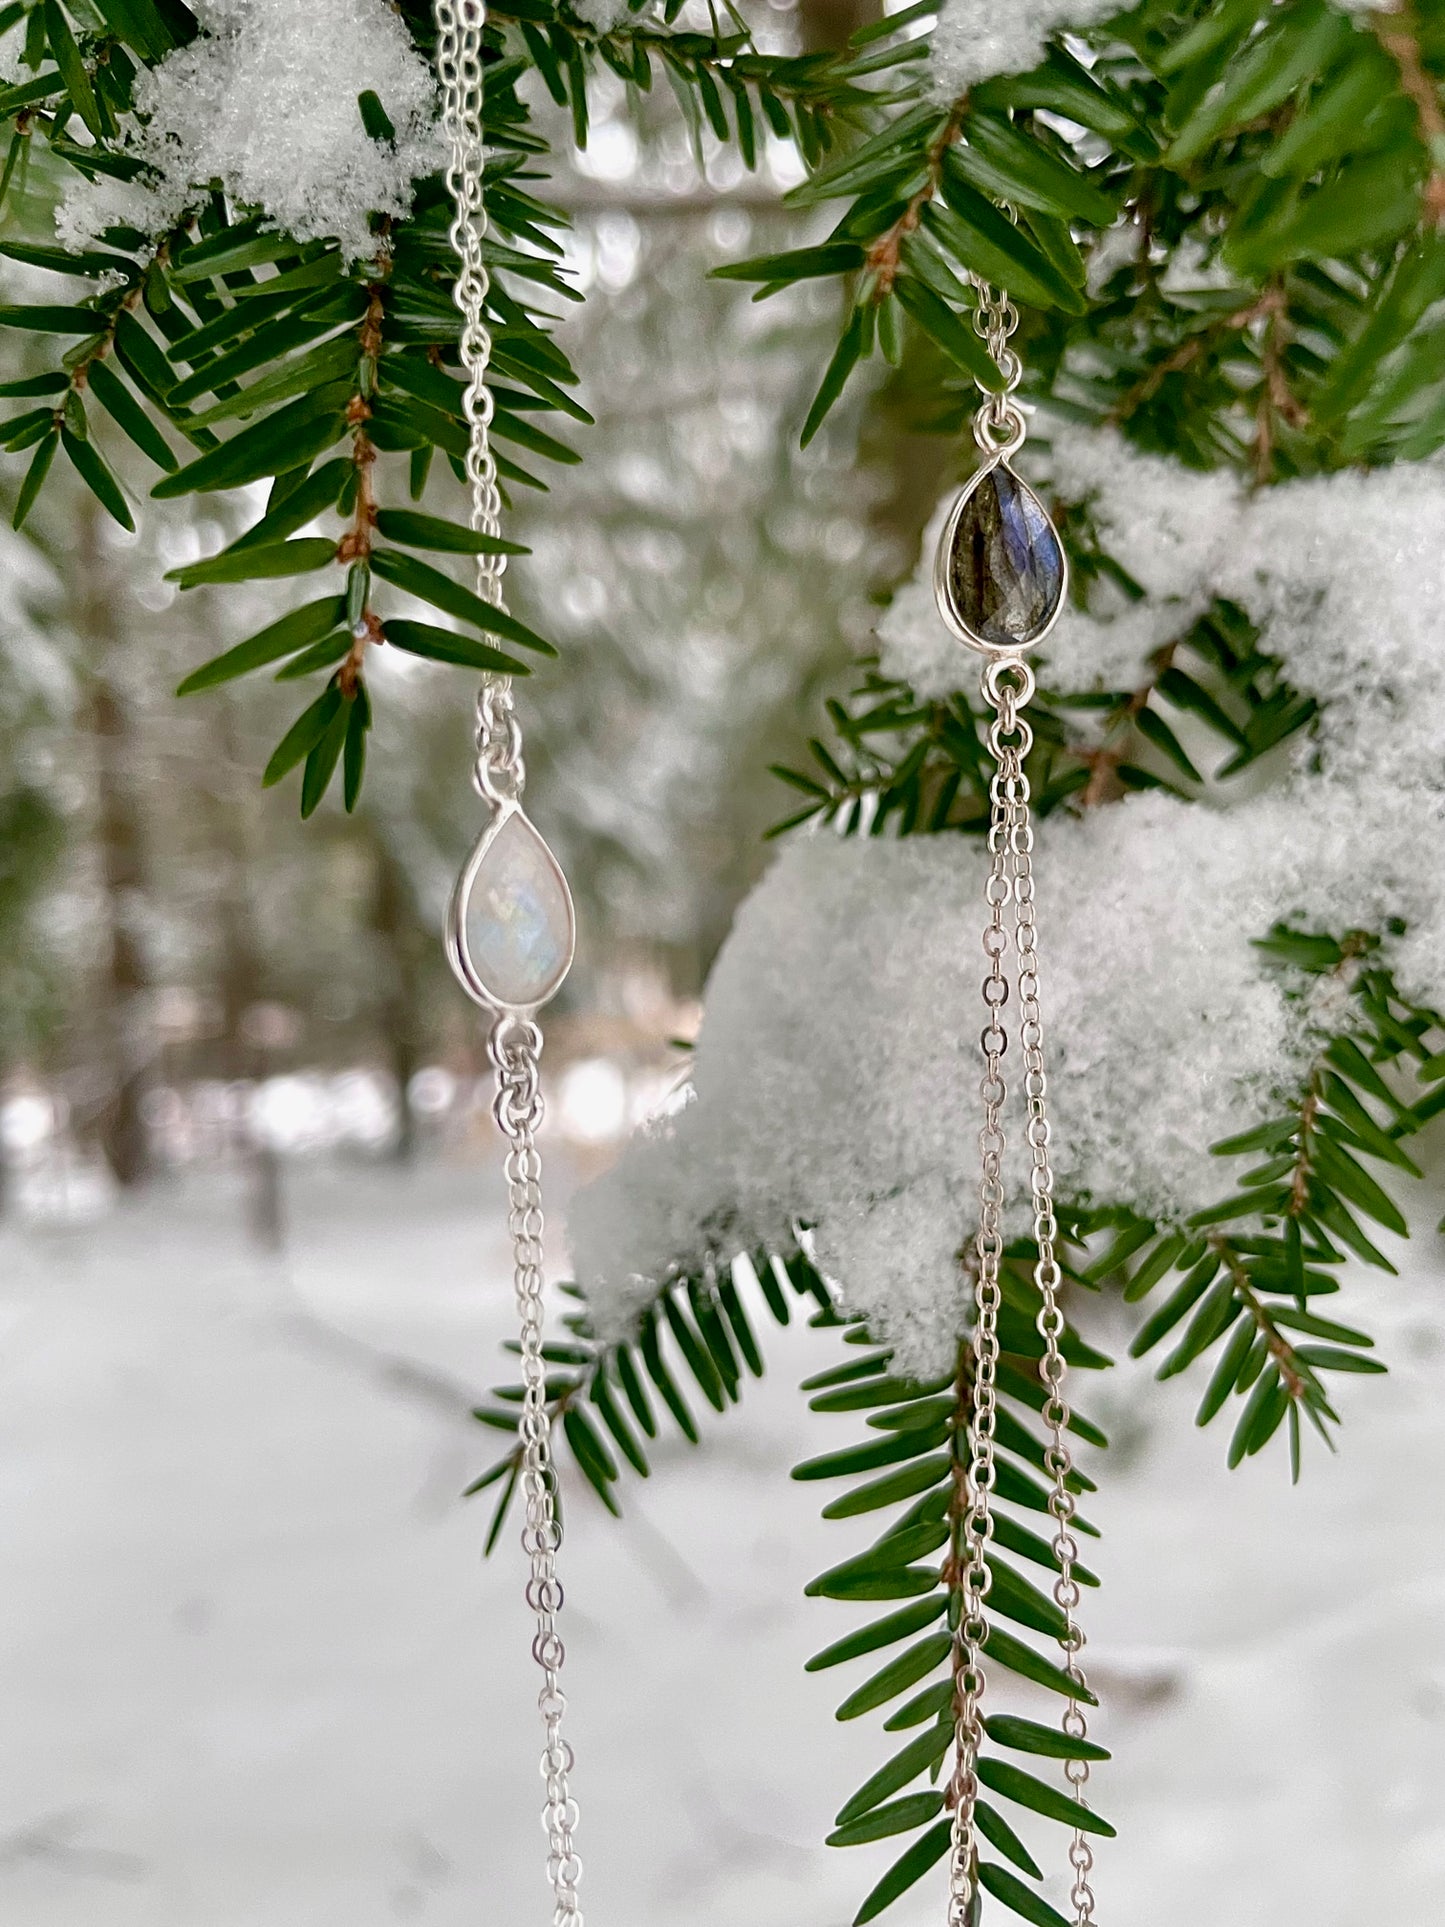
998 422
515 1048
1058 1459
500 772
515 1044
975 1575
1008 685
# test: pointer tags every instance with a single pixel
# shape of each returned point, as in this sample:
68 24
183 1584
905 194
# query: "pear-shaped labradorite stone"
517 920
1005 567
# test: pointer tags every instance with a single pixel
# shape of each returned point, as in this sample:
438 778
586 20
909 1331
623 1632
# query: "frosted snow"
265 101
12 50
604 15
829 1089
835 1076
976 38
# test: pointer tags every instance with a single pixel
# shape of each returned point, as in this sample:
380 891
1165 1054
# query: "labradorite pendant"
511 930
1001 574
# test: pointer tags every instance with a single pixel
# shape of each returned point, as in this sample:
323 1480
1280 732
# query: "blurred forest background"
162 1001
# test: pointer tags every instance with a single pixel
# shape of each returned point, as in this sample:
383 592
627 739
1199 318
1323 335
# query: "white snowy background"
256 1675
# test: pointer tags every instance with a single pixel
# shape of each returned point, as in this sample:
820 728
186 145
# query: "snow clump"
265 102
977 38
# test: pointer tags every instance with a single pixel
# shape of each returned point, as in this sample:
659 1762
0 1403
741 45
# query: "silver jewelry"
510 935
1000 576
1000 580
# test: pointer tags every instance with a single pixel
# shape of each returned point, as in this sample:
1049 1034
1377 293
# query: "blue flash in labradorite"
1005 567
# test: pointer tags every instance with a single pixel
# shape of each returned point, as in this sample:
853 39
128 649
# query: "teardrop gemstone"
513 920
1004 573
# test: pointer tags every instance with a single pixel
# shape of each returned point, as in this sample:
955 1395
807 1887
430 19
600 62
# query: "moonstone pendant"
1001 574
511 930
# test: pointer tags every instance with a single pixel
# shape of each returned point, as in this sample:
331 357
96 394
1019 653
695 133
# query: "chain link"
515 1044
515 1048
971 1555
999 426
500 772
1058 1459
1007 687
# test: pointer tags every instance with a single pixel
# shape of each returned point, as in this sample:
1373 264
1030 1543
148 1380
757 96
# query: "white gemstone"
518 919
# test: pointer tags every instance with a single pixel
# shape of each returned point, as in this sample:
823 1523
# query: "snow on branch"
265 103
836 1074
1344 574
975 39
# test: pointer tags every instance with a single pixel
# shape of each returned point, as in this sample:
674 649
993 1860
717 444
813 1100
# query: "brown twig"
1280 1350
1103 785
1352 947
883 256
1398 34
356 544
1270 302
1299 1184
1103 763
1153 379
1277 400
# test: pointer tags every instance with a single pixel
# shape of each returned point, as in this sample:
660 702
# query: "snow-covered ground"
255 1675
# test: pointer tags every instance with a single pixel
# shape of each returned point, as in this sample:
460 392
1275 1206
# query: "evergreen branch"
1292 103
914 766
926 1473
1249 1291
918 1441
936 781
225 320
707 71
1212 338
697 1329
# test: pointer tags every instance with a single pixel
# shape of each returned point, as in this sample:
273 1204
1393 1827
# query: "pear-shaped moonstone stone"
517 920
1005 568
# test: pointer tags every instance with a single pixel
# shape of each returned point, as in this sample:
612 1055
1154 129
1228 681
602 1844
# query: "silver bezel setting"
954 623
459 956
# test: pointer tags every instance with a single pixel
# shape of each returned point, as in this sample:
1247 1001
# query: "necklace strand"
1008 684
515 1043
515 1048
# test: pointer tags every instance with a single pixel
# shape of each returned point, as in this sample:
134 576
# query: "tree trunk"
124 1002
241 981
395 921
825 25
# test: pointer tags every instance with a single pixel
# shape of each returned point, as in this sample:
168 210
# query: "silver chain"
1008 686
515 1044
975 1576
999 422
1058 1459
500 773
515 1047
